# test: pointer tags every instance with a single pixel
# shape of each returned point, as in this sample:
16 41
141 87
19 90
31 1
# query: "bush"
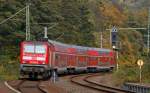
8 68
125 74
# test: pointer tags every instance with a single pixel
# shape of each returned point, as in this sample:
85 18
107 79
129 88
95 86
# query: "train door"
57 57
71 61
50 57
62 61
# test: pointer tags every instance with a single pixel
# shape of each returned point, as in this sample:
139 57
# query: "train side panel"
41 58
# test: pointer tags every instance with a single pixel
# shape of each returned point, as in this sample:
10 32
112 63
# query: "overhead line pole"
148 32
28 37
101 39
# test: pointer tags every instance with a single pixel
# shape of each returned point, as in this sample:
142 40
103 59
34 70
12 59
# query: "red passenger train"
40 58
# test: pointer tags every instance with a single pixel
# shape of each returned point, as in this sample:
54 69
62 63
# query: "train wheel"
21 75
49 74
111 69
45 75
91 70
71 71
35 76
30 75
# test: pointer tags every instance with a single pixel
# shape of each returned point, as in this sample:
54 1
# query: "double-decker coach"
40 58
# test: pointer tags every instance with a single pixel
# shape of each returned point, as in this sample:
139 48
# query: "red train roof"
92 53
61 47
73 49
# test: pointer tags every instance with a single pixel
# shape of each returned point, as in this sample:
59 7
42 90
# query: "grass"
131 74
9 68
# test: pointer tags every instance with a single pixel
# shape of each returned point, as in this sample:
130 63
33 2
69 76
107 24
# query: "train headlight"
23 61
114 47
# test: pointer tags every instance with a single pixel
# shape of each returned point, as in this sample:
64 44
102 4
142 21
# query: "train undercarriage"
42 72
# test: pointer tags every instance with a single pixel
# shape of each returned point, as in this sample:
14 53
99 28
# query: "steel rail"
102 85
94 86
20 88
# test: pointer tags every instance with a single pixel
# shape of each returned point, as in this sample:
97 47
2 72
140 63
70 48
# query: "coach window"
56 59
93 58
56 56
68 58
100 61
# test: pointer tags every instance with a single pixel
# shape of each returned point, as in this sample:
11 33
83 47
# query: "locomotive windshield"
40 49
28 48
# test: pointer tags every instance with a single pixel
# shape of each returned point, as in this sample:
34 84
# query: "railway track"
84 80
26 86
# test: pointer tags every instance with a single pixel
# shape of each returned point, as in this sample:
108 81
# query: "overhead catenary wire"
28 36
55 24
5 20
42 23
130 28
59 37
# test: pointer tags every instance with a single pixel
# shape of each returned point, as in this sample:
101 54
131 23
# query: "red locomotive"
41 58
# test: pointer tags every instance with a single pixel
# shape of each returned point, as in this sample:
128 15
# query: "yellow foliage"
113 14
141 16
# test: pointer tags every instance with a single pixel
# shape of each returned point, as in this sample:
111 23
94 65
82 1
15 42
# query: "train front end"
34 59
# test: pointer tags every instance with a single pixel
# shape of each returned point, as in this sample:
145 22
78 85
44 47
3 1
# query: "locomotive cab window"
40 49
28 48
